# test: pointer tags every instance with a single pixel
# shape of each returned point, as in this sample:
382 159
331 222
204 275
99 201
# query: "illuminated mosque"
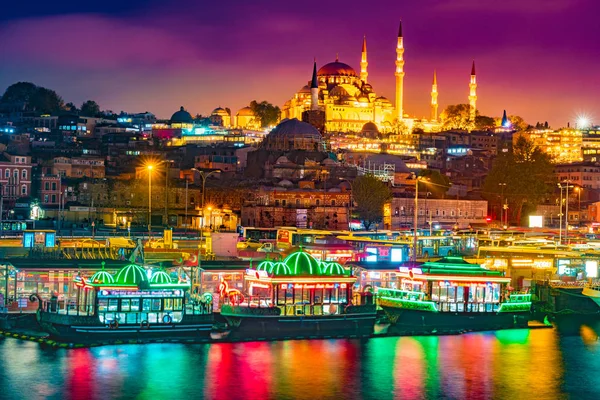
349 102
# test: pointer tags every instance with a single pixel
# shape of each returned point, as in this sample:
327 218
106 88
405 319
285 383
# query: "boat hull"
87 329
593 294
418 322
276 327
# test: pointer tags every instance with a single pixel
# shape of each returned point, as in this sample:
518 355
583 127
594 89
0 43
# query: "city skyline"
154 57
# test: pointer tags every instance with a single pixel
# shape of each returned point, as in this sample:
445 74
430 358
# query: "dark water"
517 364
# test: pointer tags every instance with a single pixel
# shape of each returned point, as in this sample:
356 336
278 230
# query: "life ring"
167 319
144 324
114 324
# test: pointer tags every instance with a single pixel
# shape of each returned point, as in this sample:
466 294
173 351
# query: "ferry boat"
132 304
297 298
592 291
451 296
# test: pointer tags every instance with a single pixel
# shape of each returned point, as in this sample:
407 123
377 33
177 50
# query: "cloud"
92 42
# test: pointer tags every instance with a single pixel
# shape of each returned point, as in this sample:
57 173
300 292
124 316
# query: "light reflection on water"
506 364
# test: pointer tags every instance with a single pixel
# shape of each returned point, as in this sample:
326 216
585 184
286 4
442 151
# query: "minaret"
363 62
314 89
399 74
434 96
472 94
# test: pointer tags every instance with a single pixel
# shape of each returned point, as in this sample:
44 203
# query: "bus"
259 234
288 237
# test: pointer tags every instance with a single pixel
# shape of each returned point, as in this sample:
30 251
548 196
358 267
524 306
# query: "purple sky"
536 58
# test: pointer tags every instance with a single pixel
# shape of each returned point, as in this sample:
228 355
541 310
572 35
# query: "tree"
72 108
370 195
483 122
456 116
523 178
90 108
435 183
34 98
267 113
518 123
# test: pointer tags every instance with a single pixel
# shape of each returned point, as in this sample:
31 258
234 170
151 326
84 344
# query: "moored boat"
127 306
297 298
452 296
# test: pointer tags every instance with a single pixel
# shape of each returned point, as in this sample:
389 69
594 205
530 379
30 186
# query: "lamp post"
150 168
186 204
416 217
567 213
560 215
503 186
578 189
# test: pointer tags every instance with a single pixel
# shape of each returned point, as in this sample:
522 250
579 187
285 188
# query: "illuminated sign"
256 274
140 293
591 268
536 221
313 285
407 270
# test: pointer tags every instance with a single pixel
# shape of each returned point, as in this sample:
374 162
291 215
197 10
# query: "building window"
24 174
284 202
54 198
53 185
318 202
47 186
24 189
276 203
15 174
45 198
333 203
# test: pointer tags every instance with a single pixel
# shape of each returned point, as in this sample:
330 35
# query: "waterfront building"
563 146
584 174
446 212
300 207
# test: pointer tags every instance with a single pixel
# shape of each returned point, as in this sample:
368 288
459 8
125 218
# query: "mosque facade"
349 101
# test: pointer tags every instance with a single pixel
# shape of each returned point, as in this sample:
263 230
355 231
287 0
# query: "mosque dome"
305 89
339 91
182 117
292 134
302 263
363 99
369 127
131 275
336 68
220 111
245 112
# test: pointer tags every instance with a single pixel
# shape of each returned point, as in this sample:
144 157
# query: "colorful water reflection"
505 364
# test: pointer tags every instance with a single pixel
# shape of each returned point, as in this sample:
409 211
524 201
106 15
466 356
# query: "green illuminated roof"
456 266
280 268
102 277
332 268
265 265
131 275
302 263
160 277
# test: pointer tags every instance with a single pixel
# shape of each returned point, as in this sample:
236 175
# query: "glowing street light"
150 167
583 121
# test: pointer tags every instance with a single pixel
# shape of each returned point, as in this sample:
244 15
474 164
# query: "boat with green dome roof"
299 297
133 303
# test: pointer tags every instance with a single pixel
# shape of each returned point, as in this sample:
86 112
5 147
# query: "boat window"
146 305
281 296
327 298
125 305
135 304
168 304
297 296
102 305
131 318
113 304
178 304
334 296
318 299
451 294
306 296
155 304
460 294
342 297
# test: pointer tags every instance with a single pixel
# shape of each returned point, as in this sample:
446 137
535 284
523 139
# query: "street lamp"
503 186
150 168
416 216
